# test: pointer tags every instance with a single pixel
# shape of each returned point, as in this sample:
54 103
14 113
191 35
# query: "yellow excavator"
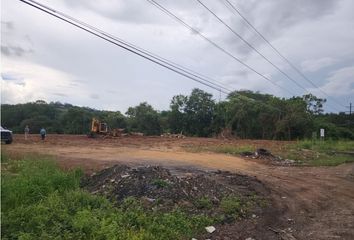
98 128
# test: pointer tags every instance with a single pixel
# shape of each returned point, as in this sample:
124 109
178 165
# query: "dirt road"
314 202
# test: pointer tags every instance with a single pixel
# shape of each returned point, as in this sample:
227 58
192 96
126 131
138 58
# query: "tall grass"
227 149
322 153
327 145
40 201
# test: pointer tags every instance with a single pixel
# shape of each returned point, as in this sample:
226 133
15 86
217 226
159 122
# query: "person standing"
26 132
43 133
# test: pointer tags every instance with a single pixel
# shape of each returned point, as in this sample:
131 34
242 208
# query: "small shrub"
160 183
306 145
232 206
203 203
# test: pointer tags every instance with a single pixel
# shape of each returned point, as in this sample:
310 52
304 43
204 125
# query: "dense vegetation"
244 114
40 201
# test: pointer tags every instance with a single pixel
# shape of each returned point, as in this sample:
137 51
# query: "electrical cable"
251 46
276 50
116 42
96 32
163 9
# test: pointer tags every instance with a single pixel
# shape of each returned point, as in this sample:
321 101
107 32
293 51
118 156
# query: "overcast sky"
45 58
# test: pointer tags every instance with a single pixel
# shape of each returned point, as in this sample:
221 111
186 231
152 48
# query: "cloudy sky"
45 58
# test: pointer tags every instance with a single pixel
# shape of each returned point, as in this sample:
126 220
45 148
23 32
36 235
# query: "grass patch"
160 183
235 206
328 160
233 150
40 201
203 203
227 149
326 146
320 153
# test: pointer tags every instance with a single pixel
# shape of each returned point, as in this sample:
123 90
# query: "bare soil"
306 202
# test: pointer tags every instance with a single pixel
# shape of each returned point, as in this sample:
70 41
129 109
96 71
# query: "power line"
250 45
253 48
163 9
98 33
77 23
277 51
169 62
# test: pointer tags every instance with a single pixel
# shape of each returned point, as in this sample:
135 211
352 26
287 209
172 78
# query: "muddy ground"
306 202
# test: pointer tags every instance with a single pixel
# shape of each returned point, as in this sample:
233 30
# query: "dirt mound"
197 192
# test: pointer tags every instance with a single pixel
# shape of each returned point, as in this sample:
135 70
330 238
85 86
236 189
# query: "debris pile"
158 189
265 154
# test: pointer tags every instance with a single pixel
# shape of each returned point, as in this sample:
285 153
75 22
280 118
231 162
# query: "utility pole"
350 108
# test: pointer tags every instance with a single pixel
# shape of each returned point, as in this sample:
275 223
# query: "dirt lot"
307 202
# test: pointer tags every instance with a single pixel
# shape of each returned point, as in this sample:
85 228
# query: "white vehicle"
6 135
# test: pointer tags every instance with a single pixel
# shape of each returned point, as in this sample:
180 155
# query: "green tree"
76 121
314 104
219 117
242 116
177 116
295 121
143 118
113 119
199 110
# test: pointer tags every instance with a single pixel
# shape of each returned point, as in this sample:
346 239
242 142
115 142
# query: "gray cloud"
133 11
94 96
8 24
284 14
60 94
112 91
13 78
5 50
314 65
11 47
12 50
273 18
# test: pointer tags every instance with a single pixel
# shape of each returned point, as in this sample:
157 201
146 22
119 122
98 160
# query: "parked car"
6 135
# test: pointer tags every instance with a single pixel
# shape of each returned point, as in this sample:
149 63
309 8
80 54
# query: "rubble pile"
157 188
265 154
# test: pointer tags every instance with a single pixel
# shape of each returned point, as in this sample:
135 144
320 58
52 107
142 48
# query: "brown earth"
307 202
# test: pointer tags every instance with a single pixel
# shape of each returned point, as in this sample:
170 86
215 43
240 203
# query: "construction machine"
98 128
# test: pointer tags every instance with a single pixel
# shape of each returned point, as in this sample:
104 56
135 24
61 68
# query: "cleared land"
307 202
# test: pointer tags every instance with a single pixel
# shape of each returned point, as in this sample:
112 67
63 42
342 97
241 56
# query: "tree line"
243 114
